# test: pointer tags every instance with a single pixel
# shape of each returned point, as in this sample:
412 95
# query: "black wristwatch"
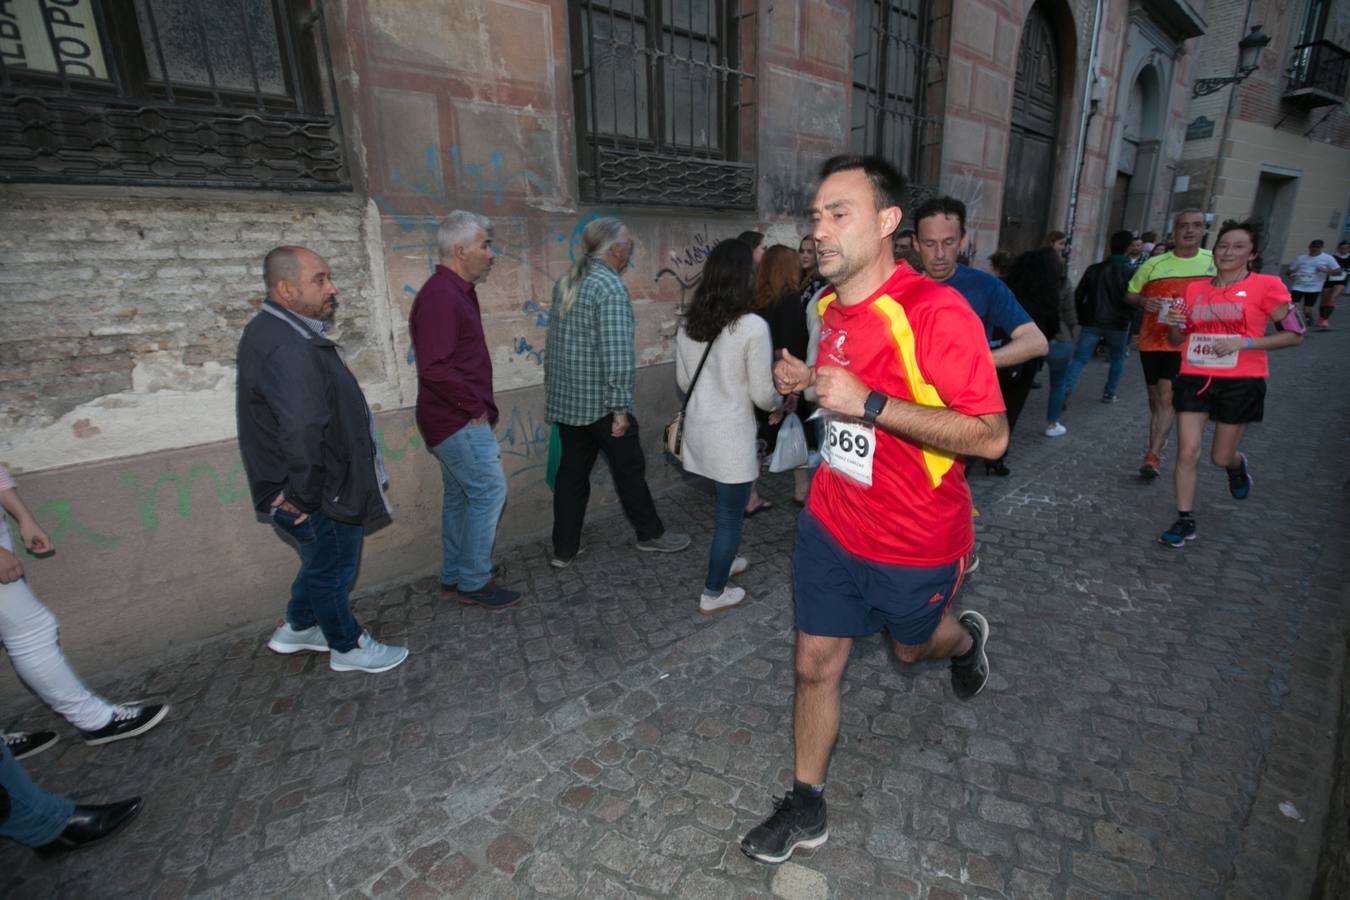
876 402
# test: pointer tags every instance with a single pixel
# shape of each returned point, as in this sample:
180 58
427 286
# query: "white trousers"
28 631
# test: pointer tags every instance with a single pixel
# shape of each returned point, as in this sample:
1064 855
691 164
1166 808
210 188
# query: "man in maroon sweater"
456 411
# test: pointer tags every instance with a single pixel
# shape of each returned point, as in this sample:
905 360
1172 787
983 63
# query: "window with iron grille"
664 99
209 93
899 63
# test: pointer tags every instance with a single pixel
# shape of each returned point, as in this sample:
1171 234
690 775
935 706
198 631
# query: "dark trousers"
1015 383
572 488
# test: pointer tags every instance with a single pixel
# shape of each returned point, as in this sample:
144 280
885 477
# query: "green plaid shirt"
589 365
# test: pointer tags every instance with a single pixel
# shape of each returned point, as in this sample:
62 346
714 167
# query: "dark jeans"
330 552
727 521
572 488
1117 341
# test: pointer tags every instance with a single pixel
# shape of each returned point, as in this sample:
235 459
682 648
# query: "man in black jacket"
1104 315
308 443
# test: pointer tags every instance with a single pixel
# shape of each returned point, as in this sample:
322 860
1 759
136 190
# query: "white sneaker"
1055 429
729 597
369 655
738 565
287 640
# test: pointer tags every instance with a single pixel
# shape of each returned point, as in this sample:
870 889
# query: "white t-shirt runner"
1305 275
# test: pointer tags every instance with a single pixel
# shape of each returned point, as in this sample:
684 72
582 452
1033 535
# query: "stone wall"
122 313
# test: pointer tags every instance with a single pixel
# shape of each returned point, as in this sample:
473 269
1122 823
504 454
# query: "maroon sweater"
454 370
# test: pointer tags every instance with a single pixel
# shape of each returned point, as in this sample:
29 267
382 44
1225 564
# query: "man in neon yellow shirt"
1155 284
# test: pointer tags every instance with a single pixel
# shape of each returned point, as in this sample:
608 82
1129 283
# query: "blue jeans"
1057 361
35 816
474 495
1116 342
727 521
330 552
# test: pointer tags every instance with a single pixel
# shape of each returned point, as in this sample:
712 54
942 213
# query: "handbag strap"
699 371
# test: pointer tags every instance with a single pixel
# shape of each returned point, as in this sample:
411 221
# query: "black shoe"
791 826
127 721
969 678
490 596
498 571
997 467
90 824
25 745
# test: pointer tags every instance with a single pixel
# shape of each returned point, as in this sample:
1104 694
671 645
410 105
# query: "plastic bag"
790 451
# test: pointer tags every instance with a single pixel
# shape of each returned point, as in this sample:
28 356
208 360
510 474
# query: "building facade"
151 154
1277 145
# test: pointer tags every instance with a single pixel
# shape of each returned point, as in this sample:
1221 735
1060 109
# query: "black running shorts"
1160 365
1232 401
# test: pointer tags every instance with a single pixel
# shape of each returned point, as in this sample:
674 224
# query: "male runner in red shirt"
908 387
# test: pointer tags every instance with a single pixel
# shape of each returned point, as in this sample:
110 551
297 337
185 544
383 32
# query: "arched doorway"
1029 177
1137 155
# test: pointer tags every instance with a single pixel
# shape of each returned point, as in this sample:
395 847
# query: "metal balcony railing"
1317 74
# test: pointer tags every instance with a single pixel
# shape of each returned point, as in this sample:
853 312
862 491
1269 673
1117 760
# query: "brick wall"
122 313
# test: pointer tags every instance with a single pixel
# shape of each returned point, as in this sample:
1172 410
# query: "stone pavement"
1149 710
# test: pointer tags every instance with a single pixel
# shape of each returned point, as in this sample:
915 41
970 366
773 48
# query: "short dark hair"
888 185
941 206
1149 237
1317 242
1253 227
1120 242
751 239
281 264
906 232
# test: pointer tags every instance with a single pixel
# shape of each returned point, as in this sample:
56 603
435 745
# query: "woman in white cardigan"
719 423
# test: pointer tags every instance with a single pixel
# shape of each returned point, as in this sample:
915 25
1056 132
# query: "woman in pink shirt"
1220 327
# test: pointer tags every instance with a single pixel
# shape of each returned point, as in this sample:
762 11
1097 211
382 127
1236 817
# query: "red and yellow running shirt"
1239 310
1166 276
915 340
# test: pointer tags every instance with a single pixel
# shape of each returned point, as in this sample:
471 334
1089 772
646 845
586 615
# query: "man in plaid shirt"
588 390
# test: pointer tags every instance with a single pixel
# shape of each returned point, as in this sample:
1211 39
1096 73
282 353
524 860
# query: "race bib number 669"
850 446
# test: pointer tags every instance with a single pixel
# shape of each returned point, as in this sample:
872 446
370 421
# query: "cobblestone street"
1149 709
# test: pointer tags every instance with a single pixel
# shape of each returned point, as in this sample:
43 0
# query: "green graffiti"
394 455
57 518
228 489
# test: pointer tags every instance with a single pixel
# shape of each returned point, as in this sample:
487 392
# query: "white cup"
1164 307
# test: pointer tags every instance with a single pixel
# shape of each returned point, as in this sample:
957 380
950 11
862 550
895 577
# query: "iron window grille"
205 93
898 81
664 92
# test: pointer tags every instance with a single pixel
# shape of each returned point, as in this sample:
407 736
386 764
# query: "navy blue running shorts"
837 594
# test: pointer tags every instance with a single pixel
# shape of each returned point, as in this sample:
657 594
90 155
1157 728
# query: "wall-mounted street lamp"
1249 57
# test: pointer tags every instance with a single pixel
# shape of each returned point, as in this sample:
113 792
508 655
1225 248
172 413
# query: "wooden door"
1029 178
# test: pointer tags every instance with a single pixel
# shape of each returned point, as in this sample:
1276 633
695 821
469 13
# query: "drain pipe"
1089 110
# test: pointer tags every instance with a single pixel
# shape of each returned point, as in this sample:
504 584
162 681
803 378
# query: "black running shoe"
791 826
127 721
969 678
23 745
1240 484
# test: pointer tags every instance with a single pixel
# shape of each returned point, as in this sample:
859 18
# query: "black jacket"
1100 298
304 427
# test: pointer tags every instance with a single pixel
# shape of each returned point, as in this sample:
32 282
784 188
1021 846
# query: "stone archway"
1139 145
1033 137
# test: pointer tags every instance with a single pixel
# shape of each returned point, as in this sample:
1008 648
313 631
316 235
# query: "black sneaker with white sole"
127 722
970 676
793 825
26 744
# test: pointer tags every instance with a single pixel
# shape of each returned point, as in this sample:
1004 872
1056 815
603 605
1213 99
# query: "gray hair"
458 229
1188 211
596 239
